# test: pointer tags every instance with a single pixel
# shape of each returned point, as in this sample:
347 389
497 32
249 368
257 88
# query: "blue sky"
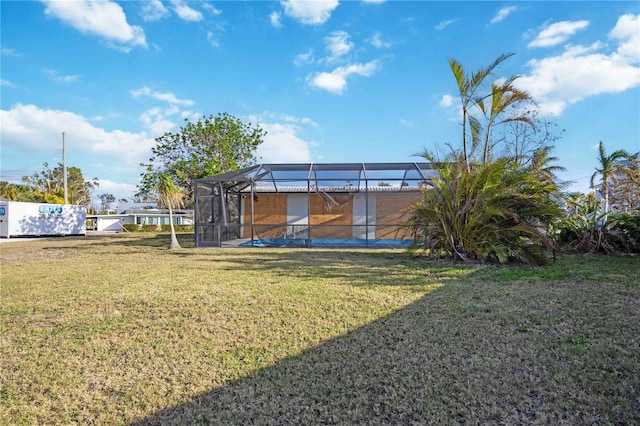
350 81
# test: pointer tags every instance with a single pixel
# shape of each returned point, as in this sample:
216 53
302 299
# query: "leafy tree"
105 201
493 212
19 192
210 146
469 86
50 183
607 169
170 195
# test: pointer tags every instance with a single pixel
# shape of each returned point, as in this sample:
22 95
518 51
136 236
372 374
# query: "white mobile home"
19 219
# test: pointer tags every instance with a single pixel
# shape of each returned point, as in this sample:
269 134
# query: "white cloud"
166 97
451 106
185 12
443 24
303 58
211 38
211 8
55 76
446 101
290 119
558 33
275 20
102 18
336 81
282 145
29 128
627 33
6 83
580 72
6 51
502 14
118 190
376 41
309 12
406 123
337 44
153 10
373 1
155 120
191 115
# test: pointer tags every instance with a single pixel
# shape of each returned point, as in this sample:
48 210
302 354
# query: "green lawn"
120 330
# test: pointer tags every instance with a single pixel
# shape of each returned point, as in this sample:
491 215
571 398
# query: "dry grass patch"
120 330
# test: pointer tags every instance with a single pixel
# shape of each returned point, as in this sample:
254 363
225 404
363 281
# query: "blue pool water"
329 242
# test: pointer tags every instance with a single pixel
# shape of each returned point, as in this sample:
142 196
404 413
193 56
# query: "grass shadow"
459 354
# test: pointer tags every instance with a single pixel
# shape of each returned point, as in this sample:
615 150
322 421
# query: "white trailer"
19 219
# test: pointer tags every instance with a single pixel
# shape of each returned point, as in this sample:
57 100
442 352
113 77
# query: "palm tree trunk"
174 244
464 138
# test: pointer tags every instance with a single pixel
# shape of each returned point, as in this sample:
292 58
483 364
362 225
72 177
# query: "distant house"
140 214
624 194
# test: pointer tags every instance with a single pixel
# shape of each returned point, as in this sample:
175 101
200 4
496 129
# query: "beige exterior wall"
332 214
392 209
270 213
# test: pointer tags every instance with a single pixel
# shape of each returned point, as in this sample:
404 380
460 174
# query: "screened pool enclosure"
309 205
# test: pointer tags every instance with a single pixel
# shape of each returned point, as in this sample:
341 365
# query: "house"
140 214
310 204
624 191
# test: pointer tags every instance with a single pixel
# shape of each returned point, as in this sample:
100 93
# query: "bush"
588 234
495 212
627 226
178 228
150 228
131 227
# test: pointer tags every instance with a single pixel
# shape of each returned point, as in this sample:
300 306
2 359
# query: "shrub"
627 227
131 227
178 228
494 212
184 228
150 228
592 234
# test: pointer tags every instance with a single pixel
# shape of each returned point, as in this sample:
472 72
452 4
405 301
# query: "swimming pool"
329 243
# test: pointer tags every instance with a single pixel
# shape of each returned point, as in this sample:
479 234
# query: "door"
297 217
364 207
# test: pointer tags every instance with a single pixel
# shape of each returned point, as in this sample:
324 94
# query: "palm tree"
170 195
503 96
540 164
609 165
468 86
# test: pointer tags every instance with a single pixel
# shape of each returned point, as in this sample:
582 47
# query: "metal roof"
325 176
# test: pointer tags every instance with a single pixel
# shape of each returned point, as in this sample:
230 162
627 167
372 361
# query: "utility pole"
64 172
